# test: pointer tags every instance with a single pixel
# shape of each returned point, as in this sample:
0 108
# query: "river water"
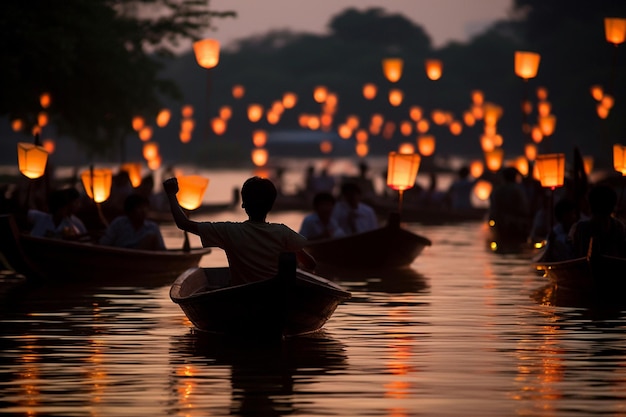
463 332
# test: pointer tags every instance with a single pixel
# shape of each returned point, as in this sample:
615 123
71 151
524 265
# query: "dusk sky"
443 20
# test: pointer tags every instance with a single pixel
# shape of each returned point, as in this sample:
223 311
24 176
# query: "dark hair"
61 198
135 200
510 174
602 200
323 197
464 172
562 207
350 188
258 195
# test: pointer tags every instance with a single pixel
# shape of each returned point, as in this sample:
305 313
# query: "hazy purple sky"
443 20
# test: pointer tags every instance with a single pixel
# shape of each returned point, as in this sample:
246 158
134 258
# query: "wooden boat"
294 302
390 246
45 258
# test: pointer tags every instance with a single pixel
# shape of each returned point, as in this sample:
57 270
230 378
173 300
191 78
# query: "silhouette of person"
459 194
320 224
352 215
61 220
252 247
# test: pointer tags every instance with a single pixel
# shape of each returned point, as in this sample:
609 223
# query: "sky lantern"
542 93
320 93
150 150
361 136
353 121
97 183
42 118
17 125
344 131
326 146
186 111
272 117
389 129
225 112
615 30
478 97
547 124
187 124
259 138
401 172
138 122
619 158
377 119
602 111
456 128
369 91
422 126
482 190
395 97
259 157
155 163
526 64
476 168
426 145
255 112
191 189
521 164
487 143
544 108
163 117
588 164
478 112
184 136
406 128
438 117
145 133
45 99
392 68
238 91
32 159
361 149
597 92
492 113
415 113
607 101
313 122
207 52
493 159
551 169
49 145
289 100
536 134
406 147
469 119
218 125
530 151
434 69
134 172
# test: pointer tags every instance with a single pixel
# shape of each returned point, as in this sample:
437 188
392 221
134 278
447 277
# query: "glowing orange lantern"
191 189
607 101
406 147
163 117
456 128
207 52
369 91
259 138
326 146
395 97
238 91
255 112
469 119
526 64
344 131
187 111
492 113
551 169
17 125
588 164
97 183
477 97
184 136
542 93
138 123
476 168
150 150
45 99
361 136
597 92
31 159
42 118
493 159
290 100
602 111
415 113
145 133
401 172
434 69
320 93
187 125
530 151
406 128
536 134
225 112
155 163
259 156
615 30
482 189
392 68
362 149
426 145
134 172
619 158
49 145
547 124
544 108
422 126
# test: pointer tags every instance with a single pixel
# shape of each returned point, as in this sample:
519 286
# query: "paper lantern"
551 168
406 128
238 91
361 136
406 147
187 111
31 159
369 91
615 30
434 69
493 159
255 112
259 156
320 93
478 97
344 131
187 124
395 97
588 164
138 123
544 108
207 52
49 145
476 168
259 138
97 183
415 113
17 125
191 189
361 149
526 64
163 117
426 145
326 146
530 151
134 172
150 150
218 125
290 100
619 158
145 133
402 170
597 92
482 190
45 99
225 112
456 128
392 68
547 124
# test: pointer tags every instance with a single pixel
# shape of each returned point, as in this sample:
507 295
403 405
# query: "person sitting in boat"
459 194
61 220
132 230
352 215
509 208
320 224
603 231
559 242
252 247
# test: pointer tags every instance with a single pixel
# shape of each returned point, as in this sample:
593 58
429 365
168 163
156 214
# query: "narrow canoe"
294 302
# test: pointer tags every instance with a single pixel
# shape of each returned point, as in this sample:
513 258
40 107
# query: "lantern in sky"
392 68
434 69
145 133
456 128
542 93
97 183
259 157
344 131
406 147
602 111
32 159
597 92
551 168
361 149
530 151
320 93
150 150
290 100
218 125
615 30
526 64
401 172
238 91
184 136
426 145
493 159
588 164
187 111
225 112
395 97
547 124
49 145
259 138
476 168
544 108
255 112
207 52
42 118
536 134
134 172
17 125
415 113
326 146
138 122
619 158
422 126
607 101
369 91
478 97
45 99
163 117
191 189
406 127
482 190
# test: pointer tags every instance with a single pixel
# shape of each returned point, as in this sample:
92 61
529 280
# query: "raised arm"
170 187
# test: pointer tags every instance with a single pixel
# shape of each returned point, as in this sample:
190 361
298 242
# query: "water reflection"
387 280
265 378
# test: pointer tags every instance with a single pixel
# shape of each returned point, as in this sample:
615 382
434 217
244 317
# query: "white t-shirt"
252 248
312 227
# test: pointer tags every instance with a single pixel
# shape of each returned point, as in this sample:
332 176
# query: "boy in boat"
320 224
252 247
